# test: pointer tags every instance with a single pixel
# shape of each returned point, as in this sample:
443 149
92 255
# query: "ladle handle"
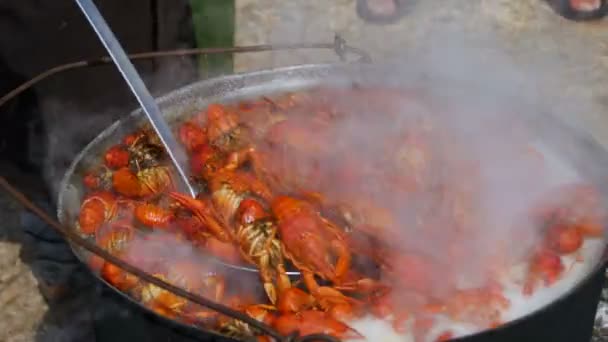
143 96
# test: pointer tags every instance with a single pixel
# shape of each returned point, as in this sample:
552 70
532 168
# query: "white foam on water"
522 305
374 329
578 266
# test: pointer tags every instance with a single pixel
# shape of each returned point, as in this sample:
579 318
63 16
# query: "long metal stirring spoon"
146 101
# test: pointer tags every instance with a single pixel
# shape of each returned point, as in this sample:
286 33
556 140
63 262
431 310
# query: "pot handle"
339 46
343 50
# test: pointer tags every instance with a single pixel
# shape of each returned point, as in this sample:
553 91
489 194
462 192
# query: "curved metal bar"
93 248
338 45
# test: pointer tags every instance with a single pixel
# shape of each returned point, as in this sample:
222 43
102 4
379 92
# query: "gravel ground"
600 330
527 31
23 306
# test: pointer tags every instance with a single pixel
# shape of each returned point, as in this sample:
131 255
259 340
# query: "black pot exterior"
124 321
570 319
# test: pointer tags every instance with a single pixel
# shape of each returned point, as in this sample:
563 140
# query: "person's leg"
21 140
60 276
20 129
39 35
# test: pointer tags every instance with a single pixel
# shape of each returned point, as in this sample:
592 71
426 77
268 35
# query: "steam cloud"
490 103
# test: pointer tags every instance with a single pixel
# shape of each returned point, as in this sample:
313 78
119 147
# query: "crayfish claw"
344 260
295 300
366 286
204 212
314 322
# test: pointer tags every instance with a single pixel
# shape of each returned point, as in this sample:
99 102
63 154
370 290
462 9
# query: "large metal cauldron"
562 320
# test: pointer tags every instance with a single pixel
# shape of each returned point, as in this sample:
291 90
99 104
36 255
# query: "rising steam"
488 104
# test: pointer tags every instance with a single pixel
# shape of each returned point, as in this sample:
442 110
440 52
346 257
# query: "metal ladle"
137 86
179 158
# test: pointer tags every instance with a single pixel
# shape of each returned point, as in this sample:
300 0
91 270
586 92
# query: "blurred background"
42 288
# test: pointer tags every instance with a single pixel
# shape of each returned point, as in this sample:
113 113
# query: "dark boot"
580 10
382 11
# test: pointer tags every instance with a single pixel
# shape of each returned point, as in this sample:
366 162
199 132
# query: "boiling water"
577 265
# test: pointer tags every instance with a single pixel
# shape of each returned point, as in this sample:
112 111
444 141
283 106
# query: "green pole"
214 22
